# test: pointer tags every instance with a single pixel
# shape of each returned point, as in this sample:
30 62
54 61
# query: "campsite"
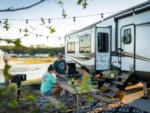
74 56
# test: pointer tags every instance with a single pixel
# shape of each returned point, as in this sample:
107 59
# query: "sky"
49 9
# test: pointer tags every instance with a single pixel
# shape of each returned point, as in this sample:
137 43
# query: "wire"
31 33
61 18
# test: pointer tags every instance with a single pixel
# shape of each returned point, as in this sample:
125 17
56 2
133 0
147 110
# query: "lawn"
32 60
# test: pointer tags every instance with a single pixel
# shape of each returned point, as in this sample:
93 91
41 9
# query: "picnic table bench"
56 103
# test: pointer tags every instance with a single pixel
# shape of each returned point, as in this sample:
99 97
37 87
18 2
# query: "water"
33 71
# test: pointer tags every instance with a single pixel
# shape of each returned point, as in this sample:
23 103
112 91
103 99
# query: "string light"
133 12
74 19
27 21
59 38
47 37
20 30
102 16
27 33
49 21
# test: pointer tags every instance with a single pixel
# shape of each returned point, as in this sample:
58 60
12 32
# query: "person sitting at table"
85 80
100 80
49 85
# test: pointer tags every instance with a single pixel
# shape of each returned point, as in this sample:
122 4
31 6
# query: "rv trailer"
120 40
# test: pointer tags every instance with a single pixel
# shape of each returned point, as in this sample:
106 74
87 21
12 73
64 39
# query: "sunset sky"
49 9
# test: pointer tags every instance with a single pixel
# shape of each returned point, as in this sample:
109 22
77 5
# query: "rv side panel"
84 50
140 55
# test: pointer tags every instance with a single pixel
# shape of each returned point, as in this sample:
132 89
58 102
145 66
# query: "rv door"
103 36
127 46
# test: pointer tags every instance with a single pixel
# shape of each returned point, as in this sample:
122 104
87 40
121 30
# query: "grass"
32 60
8 103
34 81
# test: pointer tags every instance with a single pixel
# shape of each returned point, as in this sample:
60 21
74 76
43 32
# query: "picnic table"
76 91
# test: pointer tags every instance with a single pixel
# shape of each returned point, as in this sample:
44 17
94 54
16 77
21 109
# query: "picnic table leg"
90 107
77 97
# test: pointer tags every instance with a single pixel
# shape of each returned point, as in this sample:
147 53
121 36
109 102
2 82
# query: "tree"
11 9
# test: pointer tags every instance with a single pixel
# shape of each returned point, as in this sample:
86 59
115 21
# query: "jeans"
48 93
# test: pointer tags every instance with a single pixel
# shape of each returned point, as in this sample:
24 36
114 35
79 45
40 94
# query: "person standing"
60 67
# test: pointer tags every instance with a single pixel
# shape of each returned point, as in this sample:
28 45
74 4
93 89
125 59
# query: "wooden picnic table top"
75 89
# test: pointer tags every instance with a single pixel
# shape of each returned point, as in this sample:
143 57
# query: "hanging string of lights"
60 18
26 32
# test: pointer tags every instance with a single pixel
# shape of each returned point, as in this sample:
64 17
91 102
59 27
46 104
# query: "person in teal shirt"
49 82
60 67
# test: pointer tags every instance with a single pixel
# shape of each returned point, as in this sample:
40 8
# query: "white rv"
121 40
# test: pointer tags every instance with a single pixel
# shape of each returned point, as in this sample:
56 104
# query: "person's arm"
99 75
53 79
59 75
66 66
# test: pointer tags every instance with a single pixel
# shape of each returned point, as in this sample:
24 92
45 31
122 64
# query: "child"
85 80
49 82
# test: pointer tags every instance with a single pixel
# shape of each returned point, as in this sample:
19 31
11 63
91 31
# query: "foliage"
8 102
63 107
13 104
83 3
85 85
52 29
42 20
32 50
6 25
64 14
16 42
6 72
34 110
6 91
48 106
30 97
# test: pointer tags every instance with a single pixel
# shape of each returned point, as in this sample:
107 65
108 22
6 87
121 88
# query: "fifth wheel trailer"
120 40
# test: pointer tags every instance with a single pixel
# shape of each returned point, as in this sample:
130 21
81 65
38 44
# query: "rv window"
85 43
71 47
127 38
103 42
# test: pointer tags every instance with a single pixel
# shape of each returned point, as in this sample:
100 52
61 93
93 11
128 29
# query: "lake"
33 71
